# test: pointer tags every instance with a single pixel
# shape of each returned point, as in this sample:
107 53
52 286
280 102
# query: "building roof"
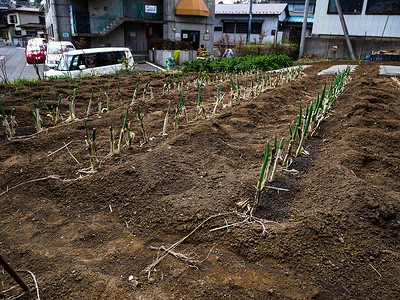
258 9
25 9
192 8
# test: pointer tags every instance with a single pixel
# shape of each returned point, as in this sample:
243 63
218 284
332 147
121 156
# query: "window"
348 6
30 33
299 8
229 27
218 28
17 32
256 27
383 7
13 19
242 27
109 58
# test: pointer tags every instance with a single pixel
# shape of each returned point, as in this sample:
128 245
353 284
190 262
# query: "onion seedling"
126 128
290 147
176 114
89 105
10 130
272 177
272 158
50 112
36 116
72 107
262 179
134 93
91 146
108 102
183 107
140 118
305 128
164 131
200 106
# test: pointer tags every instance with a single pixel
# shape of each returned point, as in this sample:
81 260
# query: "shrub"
238 64
291 50
161 44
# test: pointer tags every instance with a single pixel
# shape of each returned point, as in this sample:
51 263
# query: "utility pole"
249 28
344 27
303 29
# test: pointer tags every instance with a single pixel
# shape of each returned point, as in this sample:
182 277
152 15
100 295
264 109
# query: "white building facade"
232 19
364 18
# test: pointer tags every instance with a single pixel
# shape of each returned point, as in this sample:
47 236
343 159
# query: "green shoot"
164 131
140 118
108 101
272 178
183 107
177 111
305 129
91 146
262 178
137 86
36 116
200 106
89 104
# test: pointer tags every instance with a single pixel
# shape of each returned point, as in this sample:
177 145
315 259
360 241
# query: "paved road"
17 67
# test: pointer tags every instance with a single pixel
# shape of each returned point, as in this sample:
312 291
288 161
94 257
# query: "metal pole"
344 27
14 274
249 28
303 29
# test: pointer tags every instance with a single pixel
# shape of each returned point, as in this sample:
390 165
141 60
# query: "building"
232 19
131 23
293 24
372 25
22 21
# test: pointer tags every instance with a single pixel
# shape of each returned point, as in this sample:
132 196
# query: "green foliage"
238 64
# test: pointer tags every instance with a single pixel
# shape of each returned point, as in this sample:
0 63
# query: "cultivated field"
326 227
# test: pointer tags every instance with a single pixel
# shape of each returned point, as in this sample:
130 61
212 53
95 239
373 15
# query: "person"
228 53
201 51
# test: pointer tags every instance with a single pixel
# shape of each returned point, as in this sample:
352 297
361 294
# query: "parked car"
91 62
54 53
35 53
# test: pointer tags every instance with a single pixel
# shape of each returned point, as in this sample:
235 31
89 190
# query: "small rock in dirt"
199 216
151 280
271 291
341 240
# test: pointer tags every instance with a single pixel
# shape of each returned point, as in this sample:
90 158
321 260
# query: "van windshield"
59 49
65 62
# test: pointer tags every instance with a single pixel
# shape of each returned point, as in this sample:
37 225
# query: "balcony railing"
122 9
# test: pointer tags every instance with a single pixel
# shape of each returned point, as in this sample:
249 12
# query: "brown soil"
334 235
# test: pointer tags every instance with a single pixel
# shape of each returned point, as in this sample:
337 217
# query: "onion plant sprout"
135 92
91 146
36 116
140 118
164 131
10 126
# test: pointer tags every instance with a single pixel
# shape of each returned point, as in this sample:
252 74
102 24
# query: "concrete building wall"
205 25
362 47
28 18
357 25
114 38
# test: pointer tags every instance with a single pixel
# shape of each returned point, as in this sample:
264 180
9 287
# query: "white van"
55 51
91 62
